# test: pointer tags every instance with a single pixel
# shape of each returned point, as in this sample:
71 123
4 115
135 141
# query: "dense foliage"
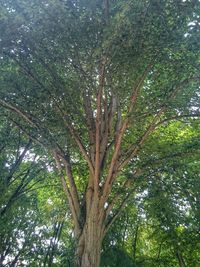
99 126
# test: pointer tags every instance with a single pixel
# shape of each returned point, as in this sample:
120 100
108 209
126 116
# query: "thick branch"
73 206
72 184
112 169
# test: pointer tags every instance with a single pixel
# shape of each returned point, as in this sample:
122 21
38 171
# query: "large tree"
91 81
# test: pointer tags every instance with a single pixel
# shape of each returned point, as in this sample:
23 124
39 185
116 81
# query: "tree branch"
74 206
116 198
90 124
19 112
132 151
112 169
194 115
116 215
98 125
81 146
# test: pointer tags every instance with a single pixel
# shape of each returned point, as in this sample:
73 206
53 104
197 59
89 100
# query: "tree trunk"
180 259
90 242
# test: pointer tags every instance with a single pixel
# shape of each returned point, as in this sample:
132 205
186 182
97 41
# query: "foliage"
99 106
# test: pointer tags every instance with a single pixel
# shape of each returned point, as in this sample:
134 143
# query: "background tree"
92 83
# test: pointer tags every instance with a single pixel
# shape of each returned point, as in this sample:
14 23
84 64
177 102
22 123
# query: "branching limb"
113 165
133 150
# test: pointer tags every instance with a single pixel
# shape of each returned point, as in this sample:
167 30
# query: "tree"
91 82
21 214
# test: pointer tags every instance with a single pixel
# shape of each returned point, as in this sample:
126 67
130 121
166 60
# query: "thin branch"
28 118
90 123
106 3
194 115
98 125
116 198
18 161
33 138
19 112
116 215
14 194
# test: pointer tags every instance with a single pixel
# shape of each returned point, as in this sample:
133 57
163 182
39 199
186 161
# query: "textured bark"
180 259
90 241
92 250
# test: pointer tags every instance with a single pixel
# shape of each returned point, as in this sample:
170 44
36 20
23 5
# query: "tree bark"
90 241
180 259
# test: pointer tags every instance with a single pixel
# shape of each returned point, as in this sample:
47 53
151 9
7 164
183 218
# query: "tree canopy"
99 131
